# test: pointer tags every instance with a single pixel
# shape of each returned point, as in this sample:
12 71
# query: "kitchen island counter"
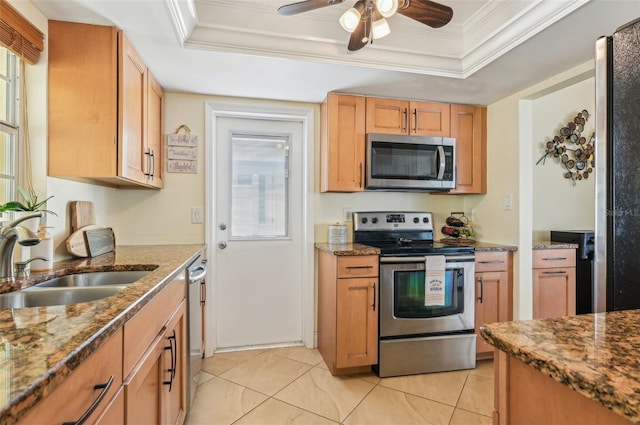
594 356
42 346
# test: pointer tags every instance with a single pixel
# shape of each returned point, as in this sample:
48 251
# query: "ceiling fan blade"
305 6
428 12
360 36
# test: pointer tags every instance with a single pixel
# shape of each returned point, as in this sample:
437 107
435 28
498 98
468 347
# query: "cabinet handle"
555 259
406 120
203 293
415 120
105 389
481 298
360 182
556 272
147 153
491 262
173 346
359 267
373 286
153 164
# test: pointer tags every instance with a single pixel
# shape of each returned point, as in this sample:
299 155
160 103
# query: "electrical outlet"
196 215
346 213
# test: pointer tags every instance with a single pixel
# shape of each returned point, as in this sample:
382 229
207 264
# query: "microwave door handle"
442 163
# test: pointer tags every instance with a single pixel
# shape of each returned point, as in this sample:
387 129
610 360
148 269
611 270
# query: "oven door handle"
448 258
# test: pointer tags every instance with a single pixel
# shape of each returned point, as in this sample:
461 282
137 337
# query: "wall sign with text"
182 152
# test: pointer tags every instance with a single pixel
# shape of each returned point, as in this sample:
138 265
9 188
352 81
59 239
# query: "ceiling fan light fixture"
380 28
387 7
351 18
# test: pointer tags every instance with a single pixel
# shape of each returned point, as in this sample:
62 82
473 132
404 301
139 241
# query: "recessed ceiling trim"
184 18
326 51
521 27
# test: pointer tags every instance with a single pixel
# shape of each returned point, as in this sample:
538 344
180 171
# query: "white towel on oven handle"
434 280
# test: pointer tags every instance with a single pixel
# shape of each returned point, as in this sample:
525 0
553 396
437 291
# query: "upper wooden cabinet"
391 116
343 143
468 126
105 109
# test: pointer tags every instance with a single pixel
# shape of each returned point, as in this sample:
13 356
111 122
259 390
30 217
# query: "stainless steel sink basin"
43 297
94 279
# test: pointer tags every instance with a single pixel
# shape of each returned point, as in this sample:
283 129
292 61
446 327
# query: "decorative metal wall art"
574 152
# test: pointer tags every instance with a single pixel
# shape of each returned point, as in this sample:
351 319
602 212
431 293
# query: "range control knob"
416 220
425 220
364 220
374 220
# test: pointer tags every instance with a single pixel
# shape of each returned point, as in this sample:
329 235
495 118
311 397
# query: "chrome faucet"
9 235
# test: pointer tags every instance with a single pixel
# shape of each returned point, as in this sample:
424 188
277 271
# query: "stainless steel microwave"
398 162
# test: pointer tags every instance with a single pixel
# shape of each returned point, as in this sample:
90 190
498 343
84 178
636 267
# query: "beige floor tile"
222 362
301 354
370 377
274 412
462 417
204 377
219 402
319 392
267 373
444 387
385 406
483 368
477 395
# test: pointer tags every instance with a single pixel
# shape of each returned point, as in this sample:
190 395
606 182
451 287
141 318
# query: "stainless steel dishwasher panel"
196 274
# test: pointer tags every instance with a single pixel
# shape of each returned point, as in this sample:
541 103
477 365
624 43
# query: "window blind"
19 35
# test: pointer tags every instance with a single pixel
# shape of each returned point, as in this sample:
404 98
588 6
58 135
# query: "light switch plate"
196 215
507 202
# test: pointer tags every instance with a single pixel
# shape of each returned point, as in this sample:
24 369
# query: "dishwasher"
196 273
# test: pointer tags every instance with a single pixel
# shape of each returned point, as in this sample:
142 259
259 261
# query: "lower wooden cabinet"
87 391
348 312
554 283
494 293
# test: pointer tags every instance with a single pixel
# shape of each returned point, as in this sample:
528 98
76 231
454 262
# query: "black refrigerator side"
617 267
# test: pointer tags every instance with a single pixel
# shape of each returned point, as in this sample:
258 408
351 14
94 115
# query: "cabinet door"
357 322
468 126
174 386
554 292
343 143
114 413
492 304
389 116
430 119
155 123
132 112
142 388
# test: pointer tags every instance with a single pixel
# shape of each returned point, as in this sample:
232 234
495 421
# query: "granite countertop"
359 249
348 249
41 346
553 245
593 354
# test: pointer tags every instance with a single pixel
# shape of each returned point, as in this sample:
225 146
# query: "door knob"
222 226
222 245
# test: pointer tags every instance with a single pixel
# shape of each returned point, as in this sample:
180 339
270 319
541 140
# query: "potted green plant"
29 203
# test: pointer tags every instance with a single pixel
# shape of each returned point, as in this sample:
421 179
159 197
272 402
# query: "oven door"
402 297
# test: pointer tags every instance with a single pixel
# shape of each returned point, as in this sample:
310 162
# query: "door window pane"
259 186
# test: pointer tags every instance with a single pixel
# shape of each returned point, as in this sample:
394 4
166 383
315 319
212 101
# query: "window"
259 186
8 123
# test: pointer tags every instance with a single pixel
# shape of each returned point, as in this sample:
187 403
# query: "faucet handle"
21 267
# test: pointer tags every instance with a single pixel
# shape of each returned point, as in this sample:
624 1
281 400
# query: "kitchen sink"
43 296
93 279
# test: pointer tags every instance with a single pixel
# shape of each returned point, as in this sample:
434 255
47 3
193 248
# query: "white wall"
558 204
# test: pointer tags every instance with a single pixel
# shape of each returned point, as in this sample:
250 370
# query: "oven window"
408 295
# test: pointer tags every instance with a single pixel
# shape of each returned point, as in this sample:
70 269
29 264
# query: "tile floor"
292 385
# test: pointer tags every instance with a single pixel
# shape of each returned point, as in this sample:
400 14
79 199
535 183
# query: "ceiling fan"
366 20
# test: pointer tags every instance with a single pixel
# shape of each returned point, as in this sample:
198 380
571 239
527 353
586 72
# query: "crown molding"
184 18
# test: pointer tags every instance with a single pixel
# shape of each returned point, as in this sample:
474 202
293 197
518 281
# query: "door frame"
274 111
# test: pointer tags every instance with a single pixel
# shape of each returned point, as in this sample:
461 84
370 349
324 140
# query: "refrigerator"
617 165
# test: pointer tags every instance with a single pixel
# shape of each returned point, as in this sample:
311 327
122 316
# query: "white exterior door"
257 231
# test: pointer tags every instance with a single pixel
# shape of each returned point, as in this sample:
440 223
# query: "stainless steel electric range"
417 334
